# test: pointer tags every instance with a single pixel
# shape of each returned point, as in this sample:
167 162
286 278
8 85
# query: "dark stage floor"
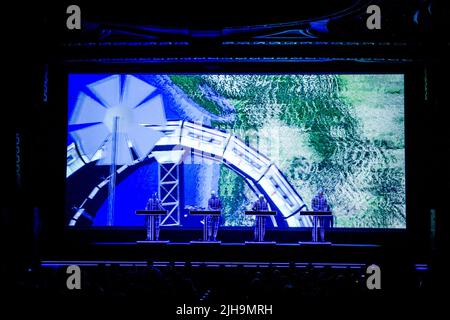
225 252
121 245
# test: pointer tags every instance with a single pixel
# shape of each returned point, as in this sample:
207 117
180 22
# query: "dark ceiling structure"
402 21
319 20
321 29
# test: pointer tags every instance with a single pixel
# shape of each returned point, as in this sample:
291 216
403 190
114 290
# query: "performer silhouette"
155 204
260 222
320 203
213 221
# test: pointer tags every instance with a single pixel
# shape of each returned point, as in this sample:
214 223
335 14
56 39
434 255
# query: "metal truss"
169 192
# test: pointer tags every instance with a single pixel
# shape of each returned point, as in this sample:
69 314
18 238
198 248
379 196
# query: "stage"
281 247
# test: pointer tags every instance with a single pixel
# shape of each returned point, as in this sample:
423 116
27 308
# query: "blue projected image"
284 136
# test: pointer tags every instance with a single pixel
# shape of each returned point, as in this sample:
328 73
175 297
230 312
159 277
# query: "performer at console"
212 221
155 204
319 203
260 224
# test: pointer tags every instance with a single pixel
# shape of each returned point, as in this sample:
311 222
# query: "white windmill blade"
150 112
135 91
107 90
143 139
91 138
126 106
123 152
87 110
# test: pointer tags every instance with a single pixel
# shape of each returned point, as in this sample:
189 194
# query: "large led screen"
285 136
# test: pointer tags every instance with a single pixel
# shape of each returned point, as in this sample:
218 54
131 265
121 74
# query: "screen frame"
58 73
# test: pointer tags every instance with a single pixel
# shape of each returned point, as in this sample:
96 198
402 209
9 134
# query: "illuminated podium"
152 215
260 228
316 215
206 214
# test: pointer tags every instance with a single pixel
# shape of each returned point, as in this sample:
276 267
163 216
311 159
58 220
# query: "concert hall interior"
207 157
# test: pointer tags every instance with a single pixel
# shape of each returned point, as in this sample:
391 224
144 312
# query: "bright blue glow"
206 263
131 195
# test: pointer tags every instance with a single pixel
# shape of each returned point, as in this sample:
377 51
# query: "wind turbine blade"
135 91
123 155
150 112
107 90
143 139
87 110
90 139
